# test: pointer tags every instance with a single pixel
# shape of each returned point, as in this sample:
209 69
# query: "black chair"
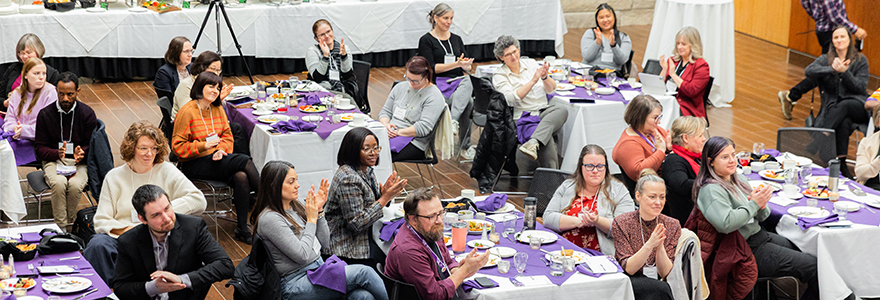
816 144
429 161
706 98
362 75
163 93
544 184
652 66
397 289
770 281
166 125
482 94
628 66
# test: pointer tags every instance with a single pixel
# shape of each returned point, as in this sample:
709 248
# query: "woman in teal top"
730 204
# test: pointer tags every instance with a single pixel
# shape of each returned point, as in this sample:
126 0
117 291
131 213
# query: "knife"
516 282
86 294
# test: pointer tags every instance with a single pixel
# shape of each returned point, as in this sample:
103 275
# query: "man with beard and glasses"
418 255
63 132
168 256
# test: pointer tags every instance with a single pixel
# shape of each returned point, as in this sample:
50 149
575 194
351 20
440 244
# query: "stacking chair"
706 98
769 281
429 161
362 75
397 289
166 125
163 93
816 144
628 66
544 184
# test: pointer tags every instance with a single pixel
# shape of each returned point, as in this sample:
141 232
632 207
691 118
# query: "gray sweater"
317 63
592 53
731 211
620 203
423 109
291 251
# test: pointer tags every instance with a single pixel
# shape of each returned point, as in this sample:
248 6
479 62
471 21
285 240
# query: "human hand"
63 150
78 154
598 33
17 131
227 89
660 141
589 219
342 50
473 263
392 187
218 155
167 282
663 64
465 63
761 196
213 143
324 48
611 39
657 237
861 34
321 195
392 130
312 207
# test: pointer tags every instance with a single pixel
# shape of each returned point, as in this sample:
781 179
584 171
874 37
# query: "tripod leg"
204 22
235 40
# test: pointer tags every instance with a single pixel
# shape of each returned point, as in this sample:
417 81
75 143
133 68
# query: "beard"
432 234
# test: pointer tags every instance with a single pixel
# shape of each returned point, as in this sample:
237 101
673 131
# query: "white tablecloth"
601 123
714 20
11 199
847 257
313 157
281 32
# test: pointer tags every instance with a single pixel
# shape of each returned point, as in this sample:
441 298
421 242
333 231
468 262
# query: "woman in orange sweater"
203 141
642 145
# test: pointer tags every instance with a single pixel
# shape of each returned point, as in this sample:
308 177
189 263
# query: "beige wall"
582 13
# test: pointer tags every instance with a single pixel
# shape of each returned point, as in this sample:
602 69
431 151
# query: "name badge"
134 216
607 57
334 75
211 137
671 87
69 150
400 113
448 59
650 271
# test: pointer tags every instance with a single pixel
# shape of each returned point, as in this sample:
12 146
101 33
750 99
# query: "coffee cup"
757 166
468 193
747 170
465 214
359 120
261 107
771 165
343 102
791 190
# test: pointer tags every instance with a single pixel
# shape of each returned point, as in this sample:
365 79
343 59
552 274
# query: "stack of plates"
9 10
31 9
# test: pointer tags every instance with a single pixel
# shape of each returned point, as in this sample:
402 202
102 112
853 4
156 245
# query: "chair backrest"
816 144
163 93
432 140
166 125
397 289
362 76
652 66
544 184
482 94
706 98
627 67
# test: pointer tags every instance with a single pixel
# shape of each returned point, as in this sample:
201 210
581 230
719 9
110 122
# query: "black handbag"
59 243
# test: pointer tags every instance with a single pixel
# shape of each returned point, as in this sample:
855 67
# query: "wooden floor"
761 72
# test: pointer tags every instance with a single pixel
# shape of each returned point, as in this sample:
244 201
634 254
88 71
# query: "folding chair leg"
434 179
498 176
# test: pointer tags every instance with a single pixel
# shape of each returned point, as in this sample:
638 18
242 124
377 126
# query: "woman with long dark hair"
294 231
583 206
605 46
731 205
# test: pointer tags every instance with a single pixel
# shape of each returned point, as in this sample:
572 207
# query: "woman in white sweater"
143 149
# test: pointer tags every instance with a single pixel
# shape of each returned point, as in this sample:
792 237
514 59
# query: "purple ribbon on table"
586 271
293 126
492 203
468 285
310 99
399 142
389 229
526 126
805 223
330 275
447 88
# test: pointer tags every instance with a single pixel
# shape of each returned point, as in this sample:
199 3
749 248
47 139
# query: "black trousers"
841 116
649 288
409 152
808 84
776 256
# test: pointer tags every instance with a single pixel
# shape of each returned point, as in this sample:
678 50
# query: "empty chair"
816 144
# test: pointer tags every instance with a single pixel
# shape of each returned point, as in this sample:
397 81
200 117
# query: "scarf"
689 156
336 65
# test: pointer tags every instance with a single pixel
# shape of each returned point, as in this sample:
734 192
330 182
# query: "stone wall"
582 13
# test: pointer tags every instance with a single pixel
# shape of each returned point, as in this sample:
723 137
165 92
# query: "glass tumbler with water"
510 224
758 149
519 261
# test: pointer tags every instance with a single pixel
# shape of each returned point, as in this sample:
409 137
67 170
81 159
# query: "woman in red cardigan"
688 71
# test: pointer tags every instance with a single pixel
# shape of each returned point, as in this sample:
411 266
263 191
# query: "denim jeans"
361 283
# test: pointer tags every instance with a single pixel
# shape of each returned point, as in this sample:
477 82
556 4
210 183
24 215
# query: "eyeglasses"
188 51
413 81
514 53
434 217
325 33
369 150
145 150
592 167
216 70
658 117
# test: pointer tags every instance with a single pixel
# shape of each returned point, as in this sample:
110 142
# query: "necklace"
642 235
203 118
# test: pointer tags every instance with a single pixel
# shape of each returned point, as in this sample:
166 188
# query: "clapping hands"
840 65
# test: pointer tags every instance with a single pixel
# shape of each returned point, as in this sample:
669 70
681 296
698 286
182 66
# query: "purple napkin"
23 150
293 126
10 297
586 271
805 223
33 237
526 126
330 275
492 203
6 134
390 228
468 285
447 88
398 142
310 99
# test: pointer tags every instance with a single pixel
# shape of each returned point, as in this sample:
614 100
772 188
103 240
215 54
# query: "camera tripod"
217 7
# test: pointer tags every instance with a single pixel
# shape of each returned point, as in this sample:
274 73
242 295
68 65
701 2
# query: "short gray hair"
503 42
439 10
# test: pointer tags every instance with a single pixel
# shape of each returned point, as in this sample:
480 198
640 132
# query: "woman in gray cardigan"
605 46
584 206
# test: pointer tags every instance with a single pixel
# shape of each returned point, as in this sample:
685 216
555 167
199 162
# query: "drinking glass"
534 242
791 176
758 149
510 224
568 263
612 78
743 157
503 267
556 267
448 219
806 173
550 59
519 261
261 95
840 210
53 298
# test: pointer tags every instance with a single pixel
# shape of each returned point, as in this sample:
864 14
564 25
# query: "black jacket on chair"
191 250
99 160
497 144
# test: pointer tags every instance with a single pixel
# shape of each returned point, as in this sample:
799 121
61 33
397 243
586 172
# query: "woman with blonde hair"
28 99
688 70
680 168
28 46
584 206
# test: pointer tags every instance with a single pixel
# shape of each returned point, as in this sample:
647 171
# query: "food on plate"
554 71
312 108
346 117
453 204
270 119
605 71
26 247
446 239
773 174
567 252
475 226
38 2
816 192
479 245
21 283
278 96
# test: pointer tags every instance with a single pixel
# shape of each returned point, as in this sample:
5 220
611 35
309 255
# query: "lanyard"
444 46
61 125
651 142
642 235
441 264
203 119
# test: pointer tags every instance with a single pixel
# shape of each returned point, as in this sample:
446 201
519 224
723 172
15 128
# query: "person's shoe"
530 149
455 128
786 104
244 236
469 153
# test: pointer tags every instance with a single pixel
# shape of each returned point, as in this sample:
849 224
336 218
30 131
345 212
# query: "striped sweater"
191 128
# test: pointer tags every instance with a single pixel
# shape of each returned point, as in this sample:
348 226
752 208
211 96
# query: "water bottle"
833 178
531 212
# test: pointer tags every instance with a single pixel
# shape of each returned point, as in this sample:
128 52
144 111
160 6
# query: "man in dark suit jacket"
168 256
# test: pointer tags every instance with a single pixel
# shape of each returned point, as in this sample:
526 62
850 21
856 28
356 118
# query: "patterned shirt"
630 235
827 14
351 210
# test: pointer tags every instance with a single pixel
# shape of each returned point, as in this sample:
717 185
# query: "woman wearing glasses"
584 206
176 68
412 109
207 61
682 165
356 198
642 145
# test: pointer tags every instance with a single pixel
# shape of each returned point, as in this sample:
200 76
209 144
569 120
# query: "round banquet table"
714 19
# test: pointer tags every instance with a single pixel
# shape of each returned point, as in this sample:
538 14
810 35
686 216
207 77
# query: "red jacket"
730 266
693 86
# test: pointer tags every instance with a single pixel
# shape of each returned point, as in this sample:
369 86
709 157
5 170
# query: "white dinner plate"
6 284
346 107
448 240
262 113
272 119
819 180
766 175
850 205
756 183
504 252
547 237
808 212
480 244
605 90
493 259
477 225
29 298
873 202
635 85
346 117
312 118
508 207
67 284
580 257
564 86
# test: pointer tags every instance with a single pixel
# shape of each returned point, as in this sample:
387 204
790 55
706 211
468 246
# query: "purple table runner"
21 267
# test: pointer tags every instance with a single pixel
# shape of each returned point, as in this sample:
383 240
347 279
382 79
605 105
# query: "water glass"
556 267
806 173
448 219
568 263
791 176
503 267
519 262
758 149
535 242
510 224
293 81
743 158
840 210
812 202
261 95
612 78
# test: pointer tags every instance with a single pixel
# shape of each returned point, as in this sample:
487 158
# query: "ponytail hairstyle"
439 10
707 174
418 65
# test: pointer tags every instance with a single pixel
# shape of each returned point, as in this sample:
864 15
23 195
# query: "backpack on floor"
84 225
